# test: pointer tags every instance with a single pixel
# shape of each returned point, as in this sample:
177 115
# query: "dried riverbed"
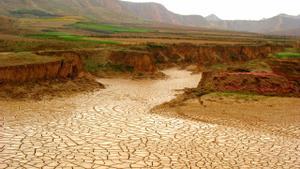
113 128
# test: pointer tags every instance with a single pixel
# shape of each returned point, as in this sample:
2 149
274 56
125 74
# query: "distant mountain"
278 23
130 12
99 10
158 13
212 17
290 32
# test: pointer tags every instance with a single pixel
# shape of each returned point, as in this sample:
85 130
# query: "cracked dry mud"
113 128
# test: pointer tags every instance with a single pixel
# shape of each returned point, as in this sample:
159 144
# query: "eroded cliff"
66 67
203 55
248 82
142 59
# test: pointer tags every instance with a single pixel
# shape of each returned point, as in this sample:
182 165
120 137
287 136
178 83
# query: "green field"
285 55
108 28
70 37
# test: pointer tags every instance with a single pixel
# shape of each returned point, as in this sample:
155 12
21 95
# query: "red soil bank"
140 61
212 54
289 68
66 68
259 83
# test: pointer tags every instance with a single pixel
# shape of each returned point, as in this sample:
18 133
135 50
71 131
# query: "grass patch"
24 58
287 55
70 37
90 65
93 65
257 65
108 28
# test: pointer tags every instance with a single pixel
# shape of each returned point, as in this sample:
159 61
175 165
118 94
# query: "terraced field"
108 28
70 37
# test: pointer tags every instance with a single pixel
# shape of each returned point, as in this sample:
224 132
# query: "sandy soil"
276 115
49 89
113 128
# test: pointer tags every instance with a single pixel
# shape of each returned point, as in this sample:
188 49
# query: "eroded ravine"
113 128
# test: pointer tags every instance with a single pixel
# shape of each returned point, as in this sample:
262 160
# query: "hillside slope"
130 12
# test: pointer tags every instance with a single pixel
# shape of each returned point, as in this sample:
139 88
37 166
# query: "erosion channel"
113 128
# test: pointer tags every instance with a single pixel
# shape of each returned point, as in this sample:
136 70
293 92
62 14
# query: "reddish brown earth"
140 61
65 68
145 60
289 68
249 82
207 55
186 54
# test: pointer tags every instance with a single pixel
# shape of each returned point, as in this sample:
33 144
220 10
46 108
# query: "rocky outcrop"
249 82
65 68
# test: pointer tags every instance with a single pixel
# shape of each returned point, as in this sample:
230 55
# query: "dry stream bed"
113 128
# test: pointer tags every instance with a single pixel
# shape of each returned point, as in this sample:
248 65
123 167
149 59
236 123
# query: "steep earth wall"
249 82
147 59
207 55
140 61
289 68
65 68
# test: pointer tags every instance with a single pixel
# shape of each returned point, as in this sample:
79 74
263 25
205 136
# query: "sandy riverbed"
113 128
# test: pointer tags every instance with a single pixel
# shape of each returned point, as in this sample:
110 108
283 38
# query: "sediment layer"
146 59
249 82
207 55
65 68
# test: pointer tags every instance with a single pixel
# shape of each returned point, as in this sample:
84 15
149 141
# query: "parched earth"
113 128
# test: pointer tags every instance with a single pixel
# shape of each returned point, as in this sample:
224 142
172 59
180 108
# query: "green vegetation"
70 37
257 65
108 28
31 12
23 58
292 50
286 55
93 66
90 65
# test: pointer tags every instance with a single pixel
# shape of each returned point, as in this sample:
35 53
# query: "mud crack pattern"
113 128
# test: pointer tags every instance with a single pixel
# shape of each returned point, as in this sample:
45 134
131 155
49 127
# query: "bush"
285 55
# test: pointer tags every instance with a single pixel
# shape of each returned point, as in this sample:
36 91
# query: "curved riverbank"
113 128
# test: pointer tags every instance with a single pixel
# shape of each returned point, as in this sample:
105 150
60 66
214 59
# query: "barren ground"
113 128
275 115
